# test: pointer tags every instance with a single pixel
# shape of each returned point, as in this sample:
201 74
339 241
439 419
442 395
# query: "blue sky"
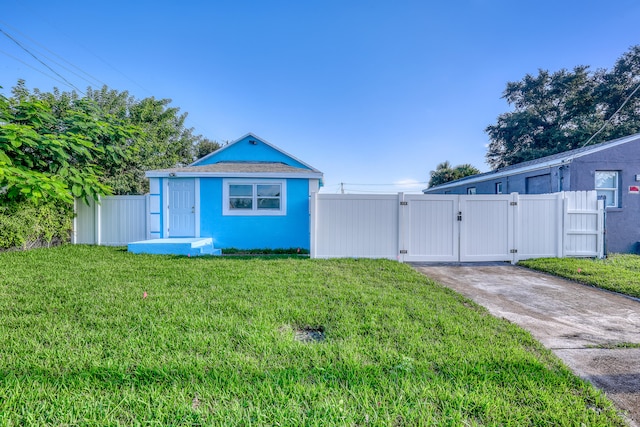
374 93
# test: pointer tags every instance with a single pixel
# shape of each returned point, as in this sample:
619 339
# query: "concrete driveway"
564 316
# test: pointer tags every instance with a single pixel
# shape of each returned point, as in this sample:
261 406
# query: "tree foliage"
560 111
445 172
163 140
57 146
50 157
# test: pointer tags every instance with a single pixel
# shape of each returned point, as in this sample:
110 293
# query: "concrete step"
175 246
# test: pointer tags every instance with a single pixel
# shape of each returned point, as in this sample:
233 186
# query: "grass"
98 336
618 272
615 346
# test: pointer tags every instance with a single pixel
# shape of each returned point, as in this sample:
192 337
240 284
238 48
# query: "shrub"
26 225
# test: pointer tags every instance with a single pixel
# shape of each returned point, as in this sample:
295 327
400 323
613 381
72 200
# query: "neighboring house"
248 194
612 168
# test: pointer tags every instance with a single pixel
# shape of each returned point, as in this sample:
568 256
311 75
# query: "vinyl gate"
454 228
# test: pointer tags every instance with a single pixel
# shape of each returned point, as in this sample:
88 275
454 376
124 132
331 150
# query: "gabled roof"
541 163
265 161
242 138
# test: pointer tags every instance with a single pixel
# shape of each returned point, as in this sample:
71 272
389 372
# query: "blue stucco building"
612 168
249 194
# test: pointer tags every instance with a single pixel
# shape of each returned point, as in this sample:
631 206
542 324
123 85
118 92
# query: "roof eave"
498 174
257 175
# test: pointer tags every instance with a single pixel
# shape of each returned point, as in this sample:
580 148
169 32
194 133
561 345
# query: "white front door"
182 207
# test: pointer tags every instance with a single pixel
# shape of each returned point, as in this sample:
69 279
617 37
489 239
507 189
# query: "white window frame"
471 190
499 187
254 211
616 189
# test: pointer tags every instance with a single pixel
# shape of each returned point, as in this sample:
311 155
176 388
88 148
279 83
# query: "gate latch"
459 216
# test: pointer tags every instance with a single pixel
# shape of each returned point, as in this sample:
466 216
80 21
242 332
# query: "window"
245 197
498 188
607 185
471 190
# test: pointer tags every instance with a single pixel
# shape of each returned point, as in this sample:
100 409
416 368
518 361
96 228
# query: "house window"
498 188
248 197
607 185
471 190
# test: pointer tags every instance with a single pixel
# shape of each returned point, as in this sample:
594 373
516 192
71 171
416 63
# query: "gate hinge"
513 251
403 251
514 203
404 203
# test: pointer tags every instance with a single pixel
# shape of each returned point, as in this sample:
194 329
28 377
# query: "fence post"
401 225
565 225
313 221
74 232
147 215
601 232
515 229
98 221
559 205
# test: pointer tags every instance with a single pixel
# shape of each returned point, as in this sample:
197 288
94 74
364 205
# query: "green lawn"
618 272
214 343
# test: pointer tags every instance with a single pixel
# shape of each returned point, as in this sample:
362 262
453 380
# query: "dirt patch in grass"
309 334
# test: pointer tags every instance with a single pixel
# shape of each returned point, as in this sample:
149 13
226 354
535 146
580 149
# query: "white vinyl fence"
454 228
115 220
430 228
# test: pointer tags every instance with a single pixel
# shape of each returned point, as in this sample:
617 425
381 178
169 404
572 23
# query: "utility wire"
612 116
32 67
95 79
40 61
379 185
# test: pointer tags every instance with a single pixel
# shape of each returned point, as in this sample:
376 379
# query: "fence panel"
358 226
430 228
84 223
486 228
583 225
114 221
539 226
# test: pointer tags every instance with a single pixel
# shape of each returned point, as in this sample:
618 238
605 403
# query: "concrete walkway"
564 316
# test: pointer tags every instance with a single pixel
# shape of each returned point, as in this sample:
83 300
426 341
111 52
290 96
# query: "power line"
612 116
379 185
95 79
31 66
40 61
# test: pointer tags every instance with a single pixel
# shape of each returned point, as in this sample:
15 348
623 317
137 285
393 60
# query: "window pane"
269 190
240 203
241 190
606 180
268 203
610 197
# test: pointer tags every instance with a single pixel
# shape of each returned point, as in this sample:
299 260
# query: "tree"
560 111
445 173
163 141
49 158
203 147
